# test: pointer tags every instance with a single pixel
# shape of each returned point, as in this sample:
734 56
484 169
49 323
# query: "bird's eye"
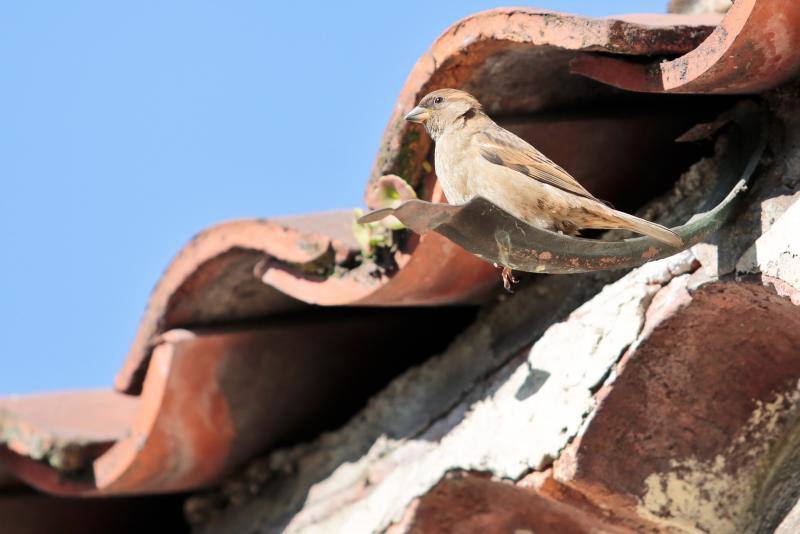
438 100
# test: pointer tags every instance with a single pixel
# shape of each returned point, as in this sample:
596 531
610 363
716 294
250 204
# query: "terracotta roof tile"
68 415
754 48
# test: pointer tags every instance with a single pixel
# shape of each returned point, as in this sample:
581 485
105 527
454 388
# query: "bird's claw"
508 279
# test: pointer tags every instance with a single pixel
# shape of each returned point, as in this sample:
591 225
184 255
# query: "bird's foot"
508 279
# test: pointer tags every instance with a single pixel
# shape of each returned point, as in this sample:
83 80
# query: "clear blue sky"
127 127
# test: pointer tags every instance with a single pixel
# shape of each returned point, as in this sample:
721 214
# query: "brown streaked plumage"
474 156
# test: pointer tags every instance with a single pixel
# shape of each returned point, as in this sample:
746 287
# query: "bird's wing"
503 148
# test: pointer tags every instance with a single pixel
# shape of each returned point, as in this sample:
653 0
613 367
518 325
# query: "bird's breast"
453 170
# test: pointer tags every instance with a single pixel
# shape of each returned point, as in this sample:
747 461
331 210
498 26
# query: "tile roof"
213 398
258 327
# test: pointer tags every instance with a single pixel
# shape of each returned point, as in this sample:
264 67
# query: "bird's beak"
418 114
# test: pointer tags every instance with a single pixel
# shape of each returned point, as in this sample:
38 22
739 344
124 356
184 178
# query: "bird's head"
443 109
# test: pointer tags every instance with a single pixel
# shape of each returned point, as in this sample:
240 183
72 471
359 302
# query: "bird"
474 156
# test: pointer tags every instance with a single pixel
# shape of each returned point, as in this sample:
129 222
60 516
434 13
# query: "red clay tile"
755 48
472 503
705 388
211 280
69 416
66 430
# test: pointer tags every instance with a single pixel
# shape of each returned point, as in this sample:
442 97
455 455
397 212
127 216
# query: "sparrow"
476 157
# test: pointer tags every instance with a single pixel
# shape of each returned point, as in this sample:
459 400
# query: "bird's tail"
620 219
651 229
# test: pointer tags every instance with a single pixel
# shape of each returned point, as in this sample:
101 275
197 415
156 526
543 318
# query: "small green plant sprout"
388 191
